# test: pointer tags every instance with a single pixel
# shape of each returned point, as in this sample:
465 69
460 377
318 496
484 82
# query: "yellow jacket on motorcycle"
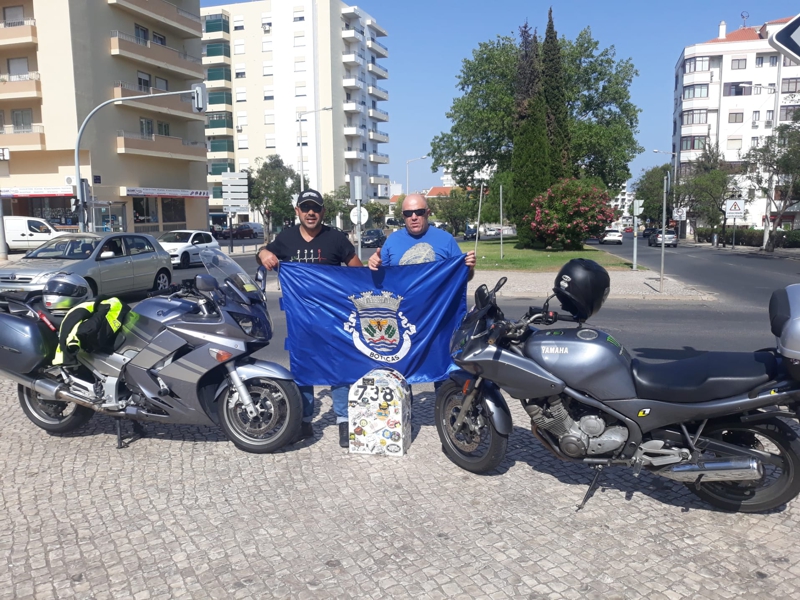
90 326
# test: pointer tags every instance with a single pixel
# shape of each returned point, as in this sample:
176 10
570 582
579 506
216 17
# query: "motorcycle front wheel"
52 416
477 447
779 482
278 420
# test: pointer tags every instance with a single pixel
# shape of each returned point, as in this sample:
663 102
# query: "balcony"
217 59
176 106
156 55
378 114
351 83
22 138
379 49
216 169
352 107
167 15
219 79
216 27
377 157
378 136
220 101
378 92
219 126
379 31
353 155
351 12
19 87
18 33
352 131
351 35
379 179
378 71
351 59
160 146
221 148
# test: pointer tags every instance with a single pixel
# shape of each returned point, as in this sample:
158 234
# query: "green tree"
397 211
377 212
773 168
336 203
603 120
649 188
557 111
272 185
483 116
456 210
530 162
710 184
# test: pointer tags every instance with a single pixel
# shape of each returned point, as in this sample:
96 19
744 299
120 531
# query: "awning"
165 192
37 192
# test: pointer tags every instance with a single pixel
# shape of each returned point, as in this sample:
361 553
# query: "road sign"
638 206
648 220
354 216
787 40
734 209
234 192
679 214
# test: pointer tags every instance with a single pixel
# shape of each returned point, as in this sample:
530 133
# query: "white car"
184 245
612 236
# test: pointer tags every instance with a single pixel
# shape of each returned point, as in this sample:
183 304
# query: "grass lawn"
536 260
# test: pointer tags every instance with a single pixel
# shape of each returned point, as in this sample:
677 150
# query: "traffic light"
199 98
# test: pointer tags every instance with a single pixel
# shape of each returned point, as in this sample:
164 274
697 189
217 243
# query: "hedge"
750 237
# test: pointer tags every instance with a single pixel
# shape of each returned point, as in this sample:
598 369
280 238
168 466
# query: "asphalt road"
741 277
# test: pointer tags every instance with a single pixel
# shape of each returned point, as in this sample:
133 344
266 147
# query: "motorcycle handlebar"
499 330
168 291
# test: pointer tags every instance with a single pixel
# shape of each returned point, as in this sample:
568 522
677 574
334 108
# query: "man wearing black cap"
314 243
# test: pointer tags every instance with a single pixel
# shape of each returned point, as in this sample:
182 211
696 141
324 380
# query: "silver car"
670 239
114 264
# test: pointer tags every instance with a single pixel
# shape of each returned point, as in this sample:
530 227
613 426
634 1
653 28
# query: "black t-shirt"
329 247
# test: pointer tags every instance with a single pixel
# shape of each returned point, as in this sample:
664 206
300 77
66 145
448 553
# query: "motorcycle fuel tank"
587 360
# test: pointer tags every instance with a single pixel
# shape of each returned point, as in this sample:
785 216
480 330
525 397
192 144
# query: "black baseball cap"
310 195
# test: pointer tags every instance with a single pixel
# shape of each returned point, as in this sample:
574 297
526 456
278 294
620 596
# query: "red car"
628 230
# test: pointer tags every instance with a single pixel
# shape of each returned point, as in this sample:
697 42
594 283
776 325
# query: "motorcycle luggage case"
784 320
25 344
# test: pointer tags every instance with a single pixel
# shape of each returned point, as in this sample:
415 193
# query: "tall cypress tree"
530 161
557 112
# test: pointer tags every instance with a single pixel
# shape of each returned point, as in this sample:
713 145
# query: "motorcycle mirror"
261 278
205 283
500 283
481 296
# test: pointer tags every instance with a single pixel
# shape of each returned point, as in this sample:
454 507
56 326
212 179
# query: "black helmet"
582 286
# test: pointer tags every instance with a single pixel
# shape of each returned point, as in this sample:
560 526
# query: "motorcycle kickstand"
138 433
592 487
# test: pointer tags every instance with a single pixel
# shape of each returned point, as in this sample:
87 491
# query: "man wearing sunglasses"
315 243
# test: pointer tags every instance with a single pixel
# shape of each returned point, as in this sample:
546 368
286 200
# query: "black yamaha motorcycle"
182 356
717 422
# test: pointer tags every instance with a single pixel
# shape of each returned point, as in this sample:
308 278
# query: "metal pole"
3 251
408 161
733 246
300 134
501 223
635 238
478 224
663 232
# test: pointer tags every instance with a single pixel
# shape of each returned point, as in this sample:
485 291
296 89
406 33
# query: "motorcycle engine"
588 436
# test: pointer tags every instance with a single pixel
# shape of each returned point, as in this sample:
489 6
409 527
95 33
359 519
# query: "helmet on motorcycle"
582 286
64 291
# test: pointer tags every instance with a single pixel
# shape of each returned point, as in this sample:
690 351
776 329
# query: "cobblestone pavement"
183 514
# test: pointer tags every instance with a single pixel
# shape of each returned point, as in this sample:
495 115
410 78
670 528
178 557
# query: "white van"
26 233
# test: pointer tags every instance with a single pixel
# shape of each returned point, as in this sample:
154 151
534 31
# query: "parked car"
115 264
492 231
670 239
470 234
257 227
184 245
25 233
648 230
390 222
242 231
628 230
611 236
216 230
372 238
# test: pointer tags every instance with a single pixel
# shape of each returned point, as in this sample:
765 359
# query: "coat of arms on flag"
379 329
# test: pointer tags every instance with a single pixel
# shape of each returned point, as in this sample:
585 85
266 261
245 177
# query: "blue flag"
343 322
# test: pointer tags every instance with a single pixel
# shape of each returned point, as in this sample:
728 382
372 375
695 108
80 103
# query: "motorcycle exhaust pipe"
47 388
723 469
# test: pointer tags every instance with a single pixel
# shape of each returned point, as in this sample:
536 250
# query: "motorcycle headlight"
251 326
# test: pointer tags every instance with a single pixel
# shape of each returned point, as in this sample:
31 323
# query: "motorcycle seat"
707 377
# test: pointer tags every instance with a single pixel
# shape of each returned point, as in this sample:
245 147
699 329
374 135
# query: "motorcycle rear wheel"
780 482
52 416
280 413
478 451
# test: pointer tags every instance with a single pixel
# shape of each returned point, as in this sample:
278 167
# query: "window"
142 34
693 142
740 88
299 65
159 39
269 141
244 164
267 69
298 14
238 47
239 72
734 143
266 45
299 40
18 69
163 128
787 112
299 90
759 62
685 169
754 142
241 94
38 227
217 73
269 118
241 118
694 117
299 18
757 89
695 91
770 115
756 115
788 62
145 210
13 16
145 127
220 97
173 210
138 245
738 63
305 139
269 95
773 61
143 80
162 84
238 23
790 86
735 117
241 142
699 63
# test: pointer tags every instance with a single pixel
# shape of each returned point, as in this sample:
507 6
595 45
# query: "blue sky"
428 39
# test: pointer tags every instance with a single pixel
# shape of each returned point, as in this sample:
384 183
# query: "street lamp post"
667 185
407 163
300 141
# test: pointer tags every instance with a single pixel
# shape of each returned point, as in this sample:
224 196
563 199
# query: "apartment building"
300 79
733 90
622 201
146 159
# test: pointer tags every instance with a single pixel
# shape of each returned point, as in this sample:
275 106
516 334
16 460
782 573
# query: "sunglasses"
420 212
307 206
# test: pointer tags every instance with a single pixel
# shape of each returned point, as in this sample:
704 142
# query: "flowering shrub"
569 212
